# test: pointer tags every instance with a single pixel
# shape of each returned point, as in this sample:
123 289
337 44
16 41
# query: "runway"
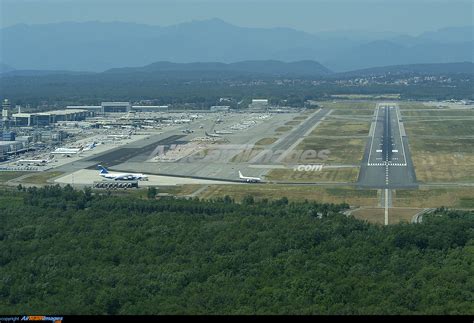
282 146
387 161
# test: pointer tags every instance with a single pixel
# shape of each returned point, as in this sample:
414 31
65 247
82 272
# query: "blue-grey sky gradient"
405 16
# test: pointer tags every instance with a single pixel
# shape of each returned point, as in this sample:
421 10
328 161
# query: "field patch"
462 197
438 113
342 128
443 160
350 105
343 194
337 151
325 175
448 128
6 176
353 112
41 178
283 129
265 141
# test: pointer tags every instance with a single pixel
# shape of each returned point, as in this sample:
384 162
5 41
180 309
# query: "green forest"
68 251
204 90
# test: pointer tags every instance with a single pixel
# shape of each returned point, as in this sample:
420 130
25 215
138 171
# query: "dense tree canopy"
75 252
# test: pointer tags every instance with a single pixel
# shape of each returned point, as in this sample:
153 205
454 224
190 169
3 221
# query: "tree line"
82 252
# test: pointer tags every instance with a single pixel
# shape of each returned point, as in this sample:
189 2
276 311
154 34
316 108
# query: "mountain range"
99 46
265 68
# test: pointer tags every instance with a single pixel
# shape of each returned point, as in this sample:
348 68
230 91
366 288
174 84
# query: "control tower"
5 115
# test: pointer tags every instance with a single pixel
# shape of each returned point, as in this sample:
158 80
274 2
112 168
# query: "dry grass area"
180 190
347 175
444 168
354 112
346 151
398 215
246 155
300 118
265 141
351 105
348 195
41 178
377 215
388 96
372 215
443 160
283 129
462 197
406 105
292 123
448 128
342 128
438 113
6 176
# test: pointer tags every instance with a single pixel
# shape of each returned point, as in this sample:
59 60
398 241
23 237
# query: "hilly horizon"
98 46
264 68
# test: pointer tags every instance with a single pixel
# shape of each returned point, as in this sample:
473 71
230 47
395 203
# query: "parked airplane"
120 136
187 131
73 151
33 162
211 134
223 132
121 176
249 179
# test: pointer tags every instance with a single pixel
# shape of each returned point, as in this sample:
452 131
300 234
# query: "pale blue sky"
407 16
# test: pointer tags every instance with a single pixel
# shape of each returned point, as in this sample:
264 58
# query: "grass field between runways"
462 197
347 175
337 151
350 195
342 128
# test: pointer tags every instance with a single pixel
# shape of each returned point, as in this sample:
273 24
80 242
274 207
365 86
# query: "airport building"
108 107
8 147
150 108
50 117
5 114
220 108
118 107
258 105
7 136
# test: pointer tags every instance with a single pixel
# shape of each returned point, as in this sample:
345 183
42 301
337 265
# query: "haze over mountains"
97 46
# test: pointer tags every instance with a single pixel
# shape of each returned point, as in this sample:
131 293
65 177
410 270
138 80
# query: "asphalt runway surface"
281 146
387 161
136 154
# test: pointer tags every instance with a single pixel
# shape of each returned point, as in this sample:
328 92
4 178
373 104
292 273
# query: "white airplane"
223 132
35 162
249 179
121 176
67 151
211 134
72 151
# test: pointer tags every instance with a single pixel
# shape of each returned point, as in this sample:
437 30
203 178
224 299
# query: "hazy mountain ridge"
268 68
421 69
97 46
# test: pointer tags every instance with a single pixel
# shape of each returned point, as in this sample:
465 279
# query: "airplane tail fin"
103 170
240 174
206 133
